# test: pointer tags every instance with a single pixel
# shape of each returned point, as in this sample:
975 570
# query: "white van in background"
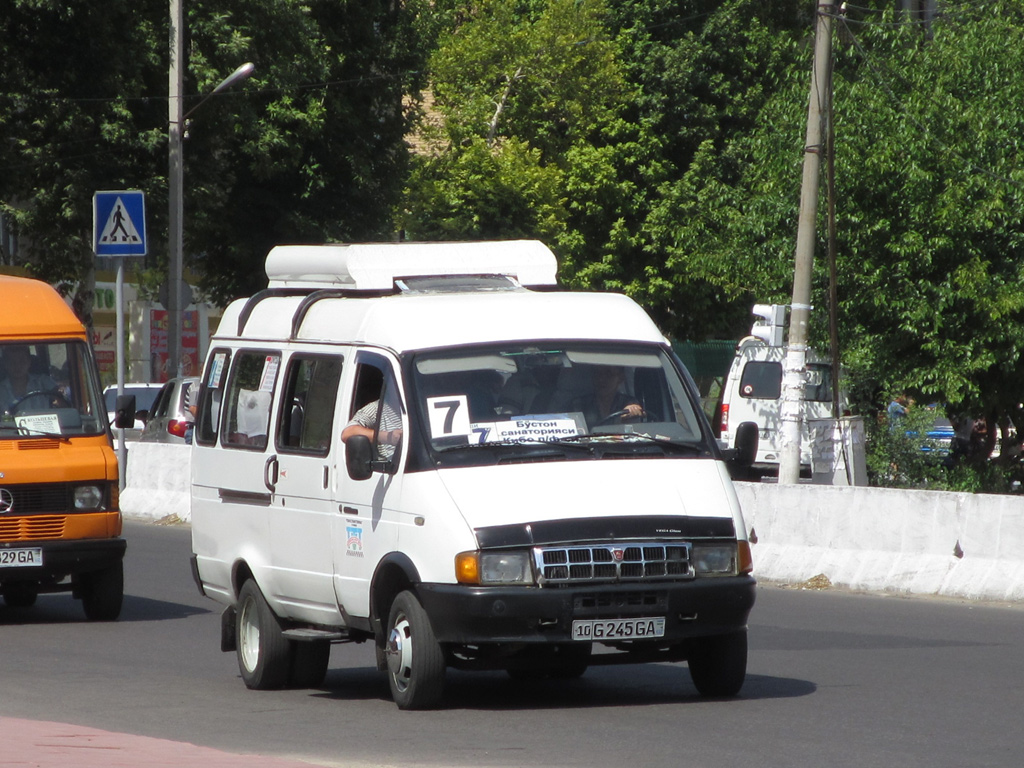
425 446
753 393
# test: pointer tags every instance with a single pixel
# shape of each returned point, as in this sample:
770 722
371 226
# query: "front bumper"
65 558
474 614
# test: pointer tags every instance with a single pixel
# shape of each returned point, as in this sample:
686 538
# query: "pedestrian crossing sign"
119 223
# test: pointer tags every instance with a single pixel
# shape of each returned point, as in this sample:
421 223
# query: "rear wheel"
262 649
718 665
103 593
20 594
309 660
416 665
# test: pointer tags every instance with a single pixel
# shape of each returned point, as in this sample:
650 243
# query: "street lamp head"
235 77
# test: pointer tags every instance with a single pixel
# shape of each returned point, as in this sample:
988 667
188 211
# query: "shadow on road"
62 609
630 685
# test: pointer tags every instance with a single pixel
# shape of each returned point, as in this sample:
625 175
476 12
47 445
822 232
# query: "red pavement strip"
37 744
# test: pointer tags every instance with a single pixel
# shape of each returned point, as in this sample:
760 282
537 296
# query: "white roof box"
376 266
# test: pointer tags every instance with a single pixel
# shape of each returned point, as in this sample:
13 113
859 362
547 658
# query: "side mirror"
745 452
358 455
124 412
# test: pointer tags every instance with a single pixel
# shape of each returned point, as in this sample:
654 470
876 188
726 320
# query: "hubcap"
399 653
249 636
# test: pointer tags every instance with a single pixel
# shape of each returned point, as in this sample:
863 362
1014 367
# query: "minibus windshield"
555 395
47 389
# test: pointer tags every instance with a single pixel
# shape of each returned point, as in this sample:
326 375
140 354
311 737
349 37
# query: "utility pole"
175 191
794 380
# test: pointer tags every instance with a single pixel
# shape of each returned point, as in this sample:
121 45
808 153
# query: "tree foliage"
311 148
928 199
655 144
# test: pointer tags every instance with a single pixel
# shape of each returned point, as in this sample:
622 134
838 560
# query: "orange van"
60 524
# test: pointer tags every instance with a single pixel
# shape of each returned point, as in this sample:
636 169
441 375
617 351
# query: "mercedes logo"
6 501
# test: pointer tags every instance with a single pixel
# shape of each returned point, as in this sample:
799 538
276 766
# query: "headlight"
88 498
493 568
714 559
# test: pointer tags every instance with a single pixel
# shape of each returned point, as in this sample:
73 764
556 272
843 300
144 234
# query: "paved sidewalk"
37 744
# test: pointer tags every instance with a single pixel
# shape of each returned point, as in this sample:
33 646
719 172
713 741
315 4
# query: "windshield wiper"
610 440
515 444
29 432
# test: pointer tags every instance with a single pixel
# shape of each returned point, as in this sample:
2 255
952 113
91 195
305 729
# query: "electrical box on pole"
771 325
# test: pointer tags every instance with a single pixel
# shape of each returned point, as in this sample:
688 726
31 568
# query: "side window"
377 406
210 397
158 404
247 401
307 404
761 380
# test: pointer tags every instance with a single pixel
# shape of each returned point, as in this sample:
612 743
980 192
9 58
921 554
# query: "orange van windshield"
49 388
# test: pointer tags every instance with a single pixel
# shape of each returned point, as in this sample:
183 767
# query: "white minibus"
430 448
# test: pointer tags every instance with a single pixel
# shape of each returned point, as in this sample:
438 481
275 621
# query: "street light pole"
175 179
175 197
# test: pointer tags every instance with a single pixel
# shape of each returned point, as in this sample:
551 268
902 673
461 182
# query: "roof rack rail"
325 293
266 293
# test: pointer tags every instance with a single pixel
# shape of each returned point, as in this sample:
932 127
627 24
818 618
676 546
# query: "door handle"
270 470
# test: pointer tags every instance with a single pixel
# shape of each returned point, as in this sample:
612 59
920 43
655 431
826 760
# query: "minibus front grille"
35 528
37 498
610 563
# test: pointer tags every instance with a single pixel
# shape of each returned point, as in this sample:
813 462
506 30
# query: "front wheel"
20 594
415 660
718 665
262 649
103 593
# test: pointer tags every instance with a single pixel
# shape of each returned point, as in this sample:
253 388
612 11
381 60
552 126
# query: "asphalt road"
834 679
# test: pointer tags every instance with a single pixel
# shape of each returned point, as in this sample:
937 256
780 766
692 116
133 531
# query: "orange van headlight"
88 498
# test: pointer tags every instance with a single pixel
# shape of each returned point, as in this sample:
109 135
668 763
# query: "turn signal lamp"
744 557
467 568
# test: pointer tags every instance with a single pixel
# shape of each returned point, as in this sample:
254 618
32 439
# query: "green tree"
310 148
526 92
929 184
707 70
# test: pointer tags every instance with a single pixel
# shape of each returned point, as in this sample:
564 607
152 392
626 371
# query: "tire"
416 665
103 593
264 656
309 660
572 661
718 665
20 594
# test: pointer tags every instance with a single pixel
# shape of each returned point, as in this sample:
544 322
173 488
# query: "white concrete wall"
880 539
157 482
921 542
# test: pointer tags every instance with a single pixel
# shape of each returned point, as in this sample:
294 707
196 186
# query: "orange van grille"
38 445
32 528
